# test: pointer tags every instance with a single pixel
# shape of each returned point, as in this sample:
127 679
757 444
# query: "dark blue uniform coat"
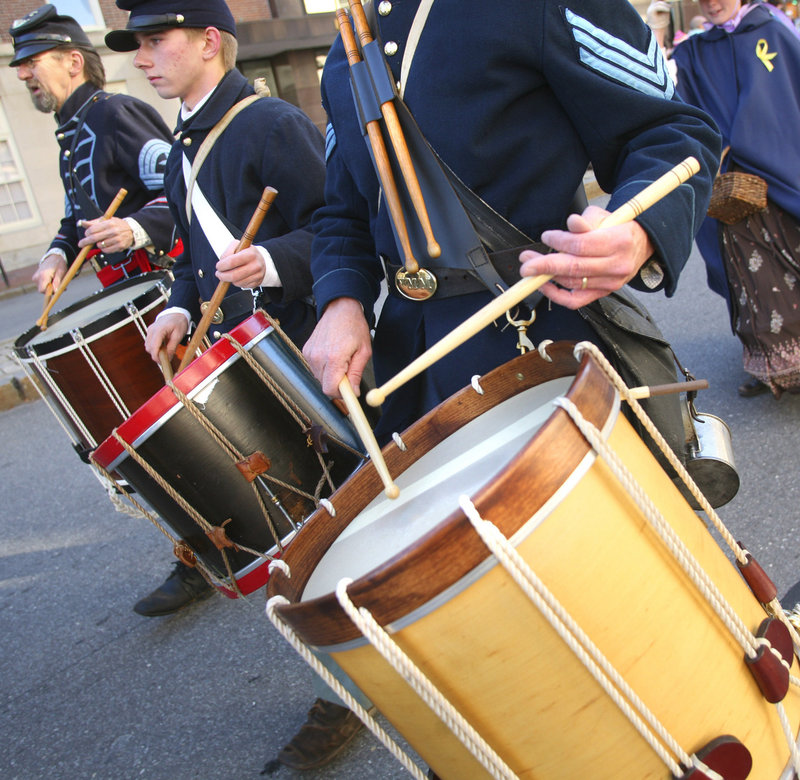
270 143
517 98
122 142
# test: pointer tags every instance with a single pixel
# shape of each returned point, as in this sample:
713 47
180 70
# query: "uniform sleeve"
142 146
343 259
611 79
67 237
297 172
344 256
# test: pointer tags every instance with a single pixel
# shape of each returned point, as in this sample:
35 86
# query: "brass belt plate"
217 318
418 286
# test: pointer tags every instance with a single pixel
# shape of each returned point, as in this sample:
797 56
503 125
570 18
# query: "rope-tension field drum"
235 453
91 361
540 601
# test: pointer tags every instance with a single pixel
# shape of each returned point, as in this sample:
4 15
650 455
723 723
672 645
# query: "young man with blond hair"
187 49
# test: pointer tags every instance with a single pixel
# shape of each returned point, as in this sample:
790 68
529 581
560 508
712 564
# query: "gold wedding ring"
584 283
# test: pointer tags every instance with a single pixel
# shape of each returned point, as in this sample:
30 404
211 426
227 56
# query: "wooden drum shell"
117 345
470 629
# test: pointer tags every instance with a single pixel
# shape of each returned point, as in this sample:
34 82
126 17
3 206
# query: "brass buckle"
218 316
417 286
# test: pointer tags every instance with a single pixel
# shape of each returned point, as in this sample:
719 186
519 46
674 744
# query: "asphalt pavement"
91 690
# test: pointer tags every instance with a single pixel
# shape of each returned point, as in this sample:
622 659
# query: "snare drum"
248 442
91 359
423 572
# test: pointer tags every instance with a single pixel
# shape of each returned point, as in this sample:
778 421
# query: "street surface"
91 690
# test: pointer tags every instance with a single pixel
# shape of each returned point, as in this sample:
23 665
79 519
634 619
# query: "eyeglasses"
30 62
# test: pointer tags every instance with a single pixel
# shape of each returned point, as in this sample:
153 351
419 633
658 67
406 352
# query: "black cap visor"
125 40
29 45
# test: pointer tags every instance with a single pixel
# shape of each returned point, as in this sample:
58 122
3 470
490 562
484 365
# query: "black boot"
183 586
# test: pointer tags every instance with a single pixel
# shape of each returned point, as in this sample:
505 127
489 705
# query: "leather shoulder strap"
209 142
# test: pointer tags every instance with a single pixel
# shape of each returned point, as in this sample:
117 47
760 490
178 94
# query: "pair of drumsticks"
396 138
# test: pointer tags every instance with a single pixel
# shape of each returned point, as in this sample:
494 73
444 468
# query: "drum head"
94 315
463 463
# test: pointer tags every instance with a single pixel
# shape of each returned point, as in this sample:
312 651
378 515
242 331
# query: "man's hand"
606 258
245 269
51 270
165 333
110 235
340 345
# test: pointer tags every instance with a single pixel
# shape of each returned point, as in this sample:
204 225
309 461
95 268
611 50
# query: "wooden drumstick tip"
375 397
392 491
434 250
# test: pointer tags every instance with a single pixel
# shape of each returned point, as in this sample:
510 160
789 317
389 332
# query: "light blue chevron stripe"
617 59
330 140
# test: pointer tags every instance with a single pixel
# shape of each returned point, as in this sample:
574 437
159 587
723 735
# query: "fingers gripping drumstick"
77 263
216 299
522 289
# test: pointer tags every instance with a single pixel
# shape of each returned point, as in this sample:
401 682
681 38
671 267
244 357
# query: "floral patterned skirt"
762 259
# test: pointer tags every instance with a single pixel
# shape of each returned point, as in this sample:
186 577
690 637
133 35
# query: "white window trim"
35 218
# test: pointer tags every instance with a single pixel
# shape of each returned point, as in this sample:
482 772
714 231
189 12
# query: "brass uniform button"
390 48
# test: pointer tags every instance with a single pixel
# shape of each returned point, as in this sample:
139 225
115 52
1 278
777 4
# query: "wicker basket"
736 195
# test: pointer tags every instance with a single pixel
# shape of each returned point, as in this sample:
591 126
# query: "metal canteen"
709 459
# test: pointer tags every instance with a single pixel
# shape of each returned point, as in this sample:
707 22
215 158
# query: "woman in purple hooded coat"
743 70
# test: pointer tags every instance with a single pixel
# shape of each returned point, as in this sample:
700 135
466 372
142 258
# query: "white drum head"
91 309
429 489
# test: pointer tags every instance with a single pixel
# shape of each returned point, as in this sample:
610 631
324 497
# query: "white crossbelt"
217 233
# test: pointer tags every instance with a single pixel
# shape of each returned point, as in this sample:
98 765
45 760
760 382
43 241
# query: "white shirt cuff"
175 310
54 251
140 236
271 278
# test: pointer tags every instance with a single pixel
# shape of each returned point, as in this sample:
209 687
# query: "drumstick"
398 140
166 366
78 262
216 299
674 387
48 293
367 437
522 289
379 152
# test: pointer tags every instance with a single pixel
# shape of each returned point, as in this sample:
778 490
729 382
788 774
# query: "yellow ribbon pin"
763 53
